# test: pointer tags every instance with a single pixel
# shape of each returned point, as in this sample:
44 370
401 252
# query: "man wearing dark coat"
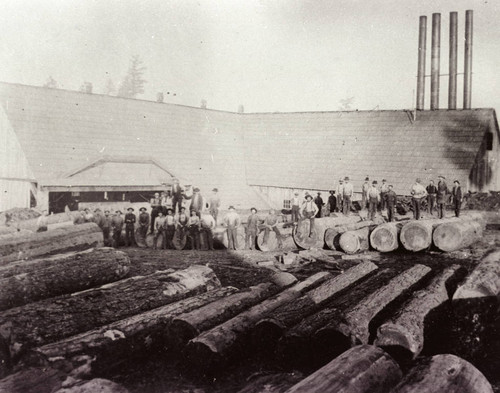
143 222
130 227
390 202
196 202
177 196
117 226
319 202
457 197
332 202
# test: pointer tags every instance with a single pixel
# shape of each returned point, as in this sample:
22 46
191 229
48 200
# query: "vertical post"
452 84
468 60
422 38
435 60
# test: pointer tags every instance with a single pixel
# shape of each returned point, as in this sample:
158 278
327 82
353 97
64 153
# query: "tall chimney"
452 83
468 60
422 38
435 59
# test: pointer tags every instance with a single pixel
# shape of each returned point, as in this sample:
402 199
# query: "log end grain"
384 238
349 242
416 236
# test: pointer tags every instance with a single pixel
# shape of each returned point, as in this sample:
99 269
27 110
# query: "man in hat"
390 203
332 202
295 207
106 227
155 208
232 221
456 193
348 194
373 197
214 204
309 211
319 202
196 202
418 193
117 227
130 227
340 195
89 217
98 217
431 196
364 193
252 229
194 230
177 194
442 191
159 231
169 225
143 222
208 226
384 189
182 221
271 224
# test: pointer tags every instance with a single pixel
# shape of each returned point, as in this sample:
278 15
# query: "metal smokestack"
435 59
468 60
452 83
422 38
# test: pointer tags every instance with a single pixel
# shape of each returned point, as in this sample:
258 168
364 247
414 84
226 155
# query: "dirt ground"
160 372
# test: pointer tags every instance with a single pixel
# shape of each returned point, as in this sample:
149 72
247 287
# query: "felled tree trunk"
268 330
77 237
303 237
352 242
453 236
33 380
484 280
52 220
50 320
444 373
404 333
332 235
213 346
106 346
27 281
364 368
385 237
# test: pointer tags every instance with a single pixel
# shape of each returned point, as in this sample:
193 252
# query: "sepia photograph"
249 196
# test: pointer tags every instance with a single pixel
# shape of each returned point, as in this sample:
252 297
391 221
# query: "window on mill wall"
287 204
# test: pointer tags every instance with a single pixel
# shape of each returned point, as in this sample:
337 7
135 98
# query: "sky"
267 55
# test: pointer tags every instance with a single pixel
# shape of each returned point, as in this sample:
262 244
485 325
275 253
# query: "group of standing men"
436 196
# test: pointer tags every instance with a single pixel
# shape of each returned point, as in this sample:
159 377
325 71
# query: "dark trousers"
372 208
159 233
143 231
457 204
129 235
431 201
390 212
295 213
319 213
310 217
177 203
276 231
417 204
105 234
194 234
340 204
154 214
441 210
347 205
169 236
210 237
383 202
250 239
232 239
117 238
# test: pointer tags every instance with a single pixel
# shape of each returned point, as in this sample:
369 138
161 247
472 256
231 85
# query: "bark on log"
352 242
268 330
28 281
362 369
212 346
385 237
456 235
50 320
484 280
332 235
272 242
403 334
317 239
33 380
14 234
77 237
355 323
191 324
444 373
96 385
108 345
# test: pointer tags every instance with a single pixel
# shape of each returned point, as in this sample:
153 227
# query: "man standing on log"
418 193
364 193
271 224
390 202
442 191
309 211
431 196
296 208
177 194
117 226
348 194
384 189
457 197
130 220
159 231
332 202
155 208
252 229
143 223
340 195
196 202
169 228
373 196
214 204
319 202
232 221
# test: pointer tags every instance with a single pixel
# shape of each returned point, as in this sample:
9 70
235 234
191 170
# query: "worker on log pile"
390 202
332 202
116 227
364 193
194 230
384 189
309 211
442 191
271 224
456 193
431 196
232 221
295 202
214 204
196 202
177 195
340 196
143 222
418 193
348 191
42 222
373 196
159 231
319 202
252 229
169 228
106 227
130 220
207 226
155 209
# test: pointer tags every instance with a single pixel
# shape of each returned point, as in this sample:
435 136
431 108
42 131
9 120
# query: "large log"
213 346
444 373
332 235
27 281
268 330
77 237
484 281
453 236
362 369
403 334
301 233
96 385
352 242
50 320
385 237
287 242
33 380
107 346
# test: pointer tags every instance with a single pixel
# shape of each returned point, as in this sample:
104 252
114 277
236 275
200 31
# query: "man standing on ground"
373 196
390 203
130 227
106 227
194 230
208 226
332 202
418 193
442 191
116 227
309 211
364 193
384 189
340 196
348 194
319 202
431 196
232 221
177 193
252 229
457 197
159 231
295 208
214 204
143 223
271 224
155 208
169 225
